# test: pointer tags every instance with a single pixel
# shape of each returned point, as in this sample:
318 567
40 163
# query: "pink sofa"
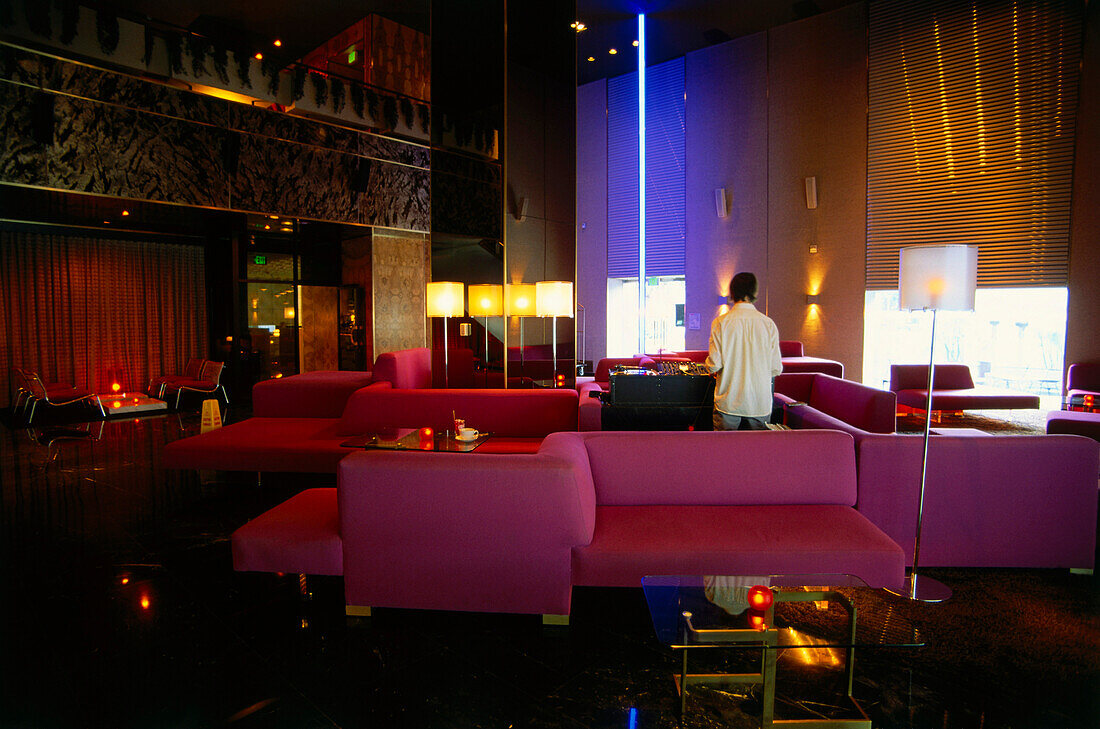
514 533
1082 379
996 501
952 389
816 400
1072 422
518 419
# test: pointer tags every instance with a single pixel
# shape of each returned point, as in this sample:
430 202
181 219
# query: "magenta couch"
816 400
996 501
952 389
514 533
1072 422
1083 378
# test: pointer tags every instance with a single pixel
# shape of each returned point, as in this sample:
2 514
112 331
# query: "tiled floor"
119 608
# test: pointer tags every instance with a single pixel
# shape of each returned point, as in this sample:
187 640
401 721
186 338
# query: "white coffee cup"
467 433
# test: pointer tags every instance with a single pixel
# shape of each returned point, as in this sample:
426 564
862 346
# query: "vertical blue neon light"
632 719
641 183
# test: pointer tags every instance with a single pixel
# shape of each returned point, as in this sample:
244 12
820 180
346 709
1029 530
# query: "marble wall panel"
467 167
465 207
401 269
112 151
22 159
396 196
266 123
19 66
393 150
294 179
133 93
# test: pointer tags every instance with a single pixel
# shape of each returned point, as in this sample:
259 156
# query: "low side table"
692 613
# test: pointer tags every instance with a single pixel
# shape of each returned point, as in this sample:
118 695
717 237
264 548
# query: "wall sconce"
811 193
812 299
721 202
445 299
465 329
554 299
722 300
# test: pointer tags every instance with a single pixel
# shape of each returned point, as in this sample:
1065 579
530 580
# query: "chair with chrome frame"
208 383
23 397
57 397
157 385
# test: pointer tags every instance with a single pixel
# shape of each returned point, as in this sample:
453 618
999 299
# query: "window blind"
665 184
970 134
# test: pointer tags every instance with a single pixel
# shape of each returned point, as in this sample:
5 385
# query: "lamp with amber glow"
519 301
933 278
445 299
486 300
554 299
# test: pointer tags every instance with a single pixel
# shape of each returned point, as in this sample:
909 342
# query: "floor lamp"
486 300
445 299
519 301
554 299
936 278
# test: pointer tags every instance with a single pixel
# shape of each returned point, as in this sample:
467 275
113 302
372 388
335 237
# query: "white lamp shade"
486 299
938 277
445 299
520 299
554 298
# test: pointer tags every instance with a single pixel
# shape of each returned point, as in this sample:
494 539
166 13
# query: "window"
664 315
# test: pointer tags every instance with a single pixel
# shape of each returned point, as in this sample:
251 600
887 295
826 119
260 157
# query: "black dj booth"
676 396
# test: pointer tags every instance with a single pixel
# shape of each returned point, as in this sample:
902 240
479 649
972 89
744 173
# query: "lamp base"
923 588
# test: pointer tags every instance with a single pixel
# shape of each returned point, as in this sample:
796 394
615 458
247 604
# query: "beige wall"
400 273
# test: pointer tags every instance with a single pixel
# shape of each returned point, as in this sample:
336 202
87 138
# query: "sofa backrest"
514 413
721 468
319 394
405 369
915 377
798 386
1083 376
865 407
790 348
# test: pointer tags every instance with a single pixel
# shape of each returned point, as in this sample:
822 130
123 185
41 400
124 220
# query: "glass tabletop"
415 439
807 611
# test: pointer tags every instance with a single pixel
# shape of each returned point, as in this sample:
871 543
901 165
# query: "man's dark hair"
743 287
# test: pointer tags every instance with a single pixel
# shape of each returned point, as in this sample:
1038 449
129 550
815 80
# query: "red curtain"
88 311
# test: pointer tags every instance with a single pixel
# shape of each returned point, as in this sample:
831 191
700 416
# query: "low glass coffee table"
414 439
815 613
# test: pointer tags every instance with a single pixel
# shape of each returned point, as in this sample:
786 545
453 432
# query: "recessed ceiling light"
612 51
277 43
591 58
259 56
635 44
125 213
580 27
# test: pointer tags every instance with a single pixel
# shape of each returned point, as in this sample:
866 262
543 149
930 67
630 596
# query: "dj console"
675 396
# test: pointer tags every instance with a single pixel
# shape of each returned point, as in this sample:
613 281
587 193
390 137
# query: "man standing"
744 354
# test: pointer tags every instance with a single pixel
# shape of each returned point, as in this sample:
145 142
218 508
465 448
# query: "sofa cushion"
309 445
977 398
405 369
300 535
631 542
717 468
514 413
320 394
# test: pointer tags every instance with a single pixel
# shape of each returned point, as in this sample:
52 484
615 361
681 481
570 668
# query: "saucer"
467 440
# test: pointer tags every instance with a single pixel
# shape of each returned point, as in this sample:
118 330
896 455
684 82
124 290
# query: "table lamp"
519 301
554 299
445 299
486 300
933 278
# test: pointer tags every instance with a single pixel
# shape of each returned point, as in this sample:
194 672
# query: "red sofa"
995 501
518 420
816 400
514 533
952 389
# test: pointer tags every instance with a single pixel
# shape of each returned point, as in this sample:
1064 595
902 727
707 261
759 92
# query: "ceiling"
673 28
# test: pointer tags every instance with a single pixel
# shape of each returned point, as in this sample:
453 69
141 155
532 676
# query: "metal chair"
191 372
208 383
57 397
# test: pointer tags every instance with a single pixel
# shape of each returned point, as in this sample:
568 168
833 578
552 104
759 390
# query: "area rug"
997 422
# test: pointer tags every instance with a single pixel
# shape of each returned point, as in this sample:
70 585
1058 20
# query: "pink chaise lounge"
952 389
514 533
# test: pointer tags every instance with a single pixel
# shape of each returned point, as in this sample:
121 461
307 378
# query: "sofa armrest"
493 533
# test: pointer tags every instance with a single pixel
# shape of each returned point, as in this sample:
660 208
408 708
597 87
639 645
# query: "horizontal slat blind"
664 165
622 176
970 134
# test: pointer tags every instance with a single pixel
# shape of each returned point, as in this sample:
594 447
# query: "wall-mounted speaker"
811 193
521 209
42 120
721 203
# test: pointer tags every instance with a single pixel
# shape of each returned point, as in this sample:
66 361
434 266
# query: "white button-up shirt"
744 353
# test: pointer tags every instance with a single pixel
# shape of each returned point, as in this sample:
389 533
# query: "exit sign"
259 260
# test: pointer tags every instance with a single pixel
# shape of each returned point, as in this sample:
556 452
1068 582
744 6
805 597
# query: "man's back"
744 353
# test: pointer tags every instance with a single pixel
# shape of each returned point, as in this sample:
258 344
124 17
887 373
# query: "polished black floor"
119 608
